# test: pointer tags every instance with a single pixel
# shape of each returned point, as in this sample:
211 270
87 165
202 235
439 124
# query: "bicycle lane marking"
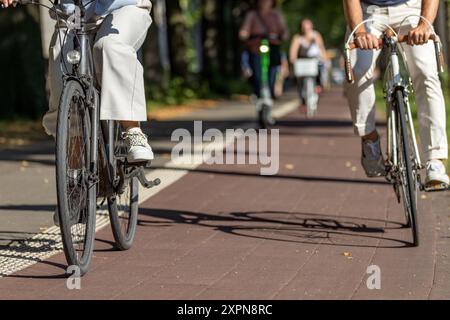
48 243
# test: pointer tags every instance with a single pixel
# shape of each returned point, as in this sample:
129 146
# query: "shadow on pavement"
280 176
23 250
305 228
30 207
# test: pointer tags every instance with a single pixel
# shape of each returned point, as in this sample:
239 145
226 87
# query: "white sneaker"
372 159
138 148
437 178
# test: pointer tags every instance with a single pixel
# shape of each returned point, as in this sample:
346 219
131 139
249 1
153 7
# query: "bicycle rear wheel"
264 116
123 205
310 97
76 192
408 173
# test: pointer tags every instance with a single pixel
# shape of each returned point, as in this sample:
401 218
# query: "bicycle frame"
265 95
393 83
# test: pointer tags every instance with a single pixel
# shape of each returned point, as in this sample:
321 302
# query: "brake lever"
439 54
348 66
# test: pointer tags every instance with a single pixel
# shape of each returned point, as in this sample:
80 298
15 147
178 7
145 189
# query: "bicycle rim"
76 195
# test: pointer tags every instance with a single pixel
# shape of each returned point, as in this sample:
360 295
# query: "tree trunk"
177 39
441 26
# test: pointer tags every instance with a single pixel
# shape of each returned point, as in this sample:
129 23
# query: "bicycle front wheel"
123 205
408 173
75 192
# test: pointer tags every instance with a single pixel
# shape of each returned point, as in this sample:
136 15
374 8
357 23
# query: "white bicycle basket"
306 68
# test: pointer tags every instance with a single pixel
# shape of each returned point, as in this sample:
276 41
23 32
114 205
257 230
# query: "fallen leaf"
348 255
348 164
354 169
423 197
289 166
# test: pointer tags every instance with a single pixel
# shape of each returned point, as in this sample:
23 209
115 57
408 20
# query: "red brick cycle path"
310 232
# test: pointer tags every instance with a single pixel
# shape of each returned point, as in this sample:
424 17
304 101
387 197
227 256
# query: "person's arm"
244 32
295 46
284 27
422 33
354 16
321 44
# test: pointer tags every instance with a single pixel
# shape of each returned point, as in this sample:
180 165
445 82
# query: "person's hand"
7 3
419 35
366 41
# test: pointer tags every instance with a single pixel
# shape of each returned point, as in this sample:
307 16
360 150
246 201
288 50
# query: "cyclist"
423 70
123 26
264 22
308 44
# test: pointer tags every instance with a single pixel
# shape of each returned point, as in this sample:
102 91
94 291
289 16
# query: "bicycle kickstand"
143 180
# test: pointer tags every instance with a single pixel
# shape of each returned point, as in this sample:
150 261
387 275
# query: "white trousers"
422 66
118 69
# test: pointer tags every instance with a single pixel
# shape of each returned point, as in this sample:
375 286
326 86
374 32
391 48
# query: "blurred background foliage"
22 67
192 51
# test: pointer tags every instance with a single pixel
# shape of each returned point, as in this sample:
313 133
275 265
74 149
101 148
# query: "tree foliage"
203 50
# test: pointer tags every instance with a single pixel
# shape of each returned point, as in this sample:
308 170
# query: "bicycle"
306 71
90 154
264 103
403 164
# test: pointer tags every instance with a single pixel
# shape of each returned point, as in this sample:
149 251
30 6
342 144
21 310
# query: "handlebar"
399 39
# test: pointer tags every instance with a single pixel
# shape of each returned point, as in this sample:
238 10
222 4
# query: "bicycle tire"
264 114
409 185
75 209
310 97
123 206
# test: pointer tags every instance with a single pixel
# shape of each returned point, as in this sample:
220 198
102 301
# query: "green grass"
179 91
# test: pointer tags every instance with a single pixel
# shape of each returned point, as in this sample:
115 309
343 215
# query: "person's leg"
121 75
361 94
119 71
273 72
429 97
299 81
255 64
362 99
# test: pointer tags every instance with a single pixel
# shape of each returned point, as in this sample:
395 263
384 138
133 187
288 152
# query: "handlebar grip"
439 55
353 46
350 77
